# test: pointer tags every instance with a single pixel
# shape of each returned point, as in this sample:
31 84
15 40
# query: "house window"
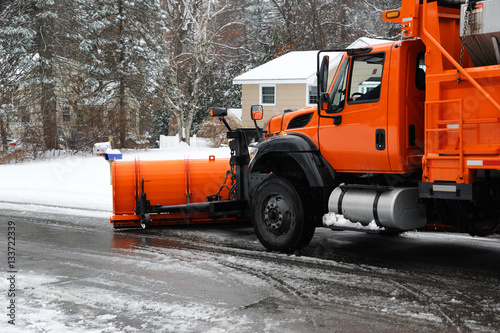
268 95
66 114
312 95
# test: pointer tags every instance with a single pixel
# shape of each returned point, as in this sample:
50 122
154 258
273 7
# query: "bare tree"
194 43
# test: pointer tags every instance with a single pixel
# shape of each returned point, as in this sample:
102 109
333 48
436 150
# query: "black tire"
278 216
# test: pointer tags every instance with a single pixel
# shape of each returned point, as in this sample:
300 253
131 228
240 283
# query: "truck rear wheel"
278 216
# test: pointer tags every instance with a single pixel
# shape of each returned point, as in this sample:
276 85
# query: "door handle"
380 139
337 120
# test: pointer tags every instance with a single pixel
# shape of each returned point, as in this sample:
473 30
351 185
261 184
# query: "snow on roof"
290 67
295 67
236 112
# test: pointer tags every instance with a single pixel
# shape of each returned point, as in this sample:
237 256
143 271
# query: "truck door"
353 129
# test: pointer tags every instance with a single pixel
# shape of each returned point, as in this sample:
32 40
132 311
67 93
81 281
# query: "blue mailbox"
112 154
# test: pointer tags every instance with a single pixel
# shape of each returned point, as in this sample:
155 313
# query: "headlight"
253 152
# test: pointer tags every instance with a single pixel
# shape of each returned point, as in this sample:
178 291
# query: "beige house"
287 82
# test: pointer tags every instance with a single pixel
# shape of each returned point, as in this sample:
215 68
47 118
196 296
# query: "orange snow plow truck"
406 135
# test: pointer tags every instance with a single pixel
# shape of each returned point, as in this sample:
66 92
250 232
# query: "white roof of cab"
296 66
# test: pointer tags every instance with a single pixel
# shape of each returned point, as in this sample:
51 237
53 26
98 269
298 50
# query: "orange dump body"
462 104
166 183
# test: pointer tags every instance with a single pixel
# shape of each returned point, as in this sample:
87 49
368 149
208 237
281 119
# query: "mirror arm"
256 126
260 132
221 118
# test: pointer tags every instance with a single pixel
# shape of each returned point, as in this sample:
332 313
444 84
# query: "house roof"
236 112
295 67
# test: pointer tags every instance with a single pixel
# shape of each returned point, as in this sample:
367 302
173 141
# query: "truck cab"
372 118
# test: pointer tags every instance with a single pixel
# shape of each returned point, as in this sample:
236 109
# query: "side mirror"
221 113
323 75
323 83
218 112
257 112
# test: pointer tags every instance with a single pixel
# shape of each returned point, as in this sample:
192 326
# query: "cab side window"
366 78
338 93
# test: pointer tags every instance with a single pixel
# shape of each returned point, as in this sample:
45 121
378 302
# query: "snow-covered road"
76 274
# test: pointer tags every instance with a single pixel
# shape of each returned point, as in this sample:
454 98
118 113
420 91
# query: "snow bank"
79 182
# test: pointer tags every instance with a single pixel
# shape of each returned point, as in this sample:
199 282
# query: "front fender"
284 144
292 153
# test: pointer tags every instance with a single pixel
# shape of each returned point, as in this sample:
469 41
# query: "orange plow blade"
168 183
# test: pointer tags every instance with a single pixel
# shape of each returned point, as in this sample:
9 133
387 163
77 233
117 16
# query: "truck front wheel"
278 215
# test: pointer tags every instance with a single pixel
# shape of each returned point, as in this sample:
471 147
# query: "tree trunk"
180 126
49 116
194 103
4 120
3 133
48 107
122 114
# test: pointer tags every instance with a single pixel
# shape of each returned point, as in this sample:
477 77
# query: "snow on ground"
336 220
78 182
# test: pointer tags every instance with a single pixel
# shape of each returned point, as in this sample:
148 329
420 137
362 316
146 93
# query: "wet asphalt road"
77 274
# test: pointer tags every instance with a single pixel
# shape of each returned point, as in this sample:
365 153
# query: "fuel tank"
391 208
166 183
